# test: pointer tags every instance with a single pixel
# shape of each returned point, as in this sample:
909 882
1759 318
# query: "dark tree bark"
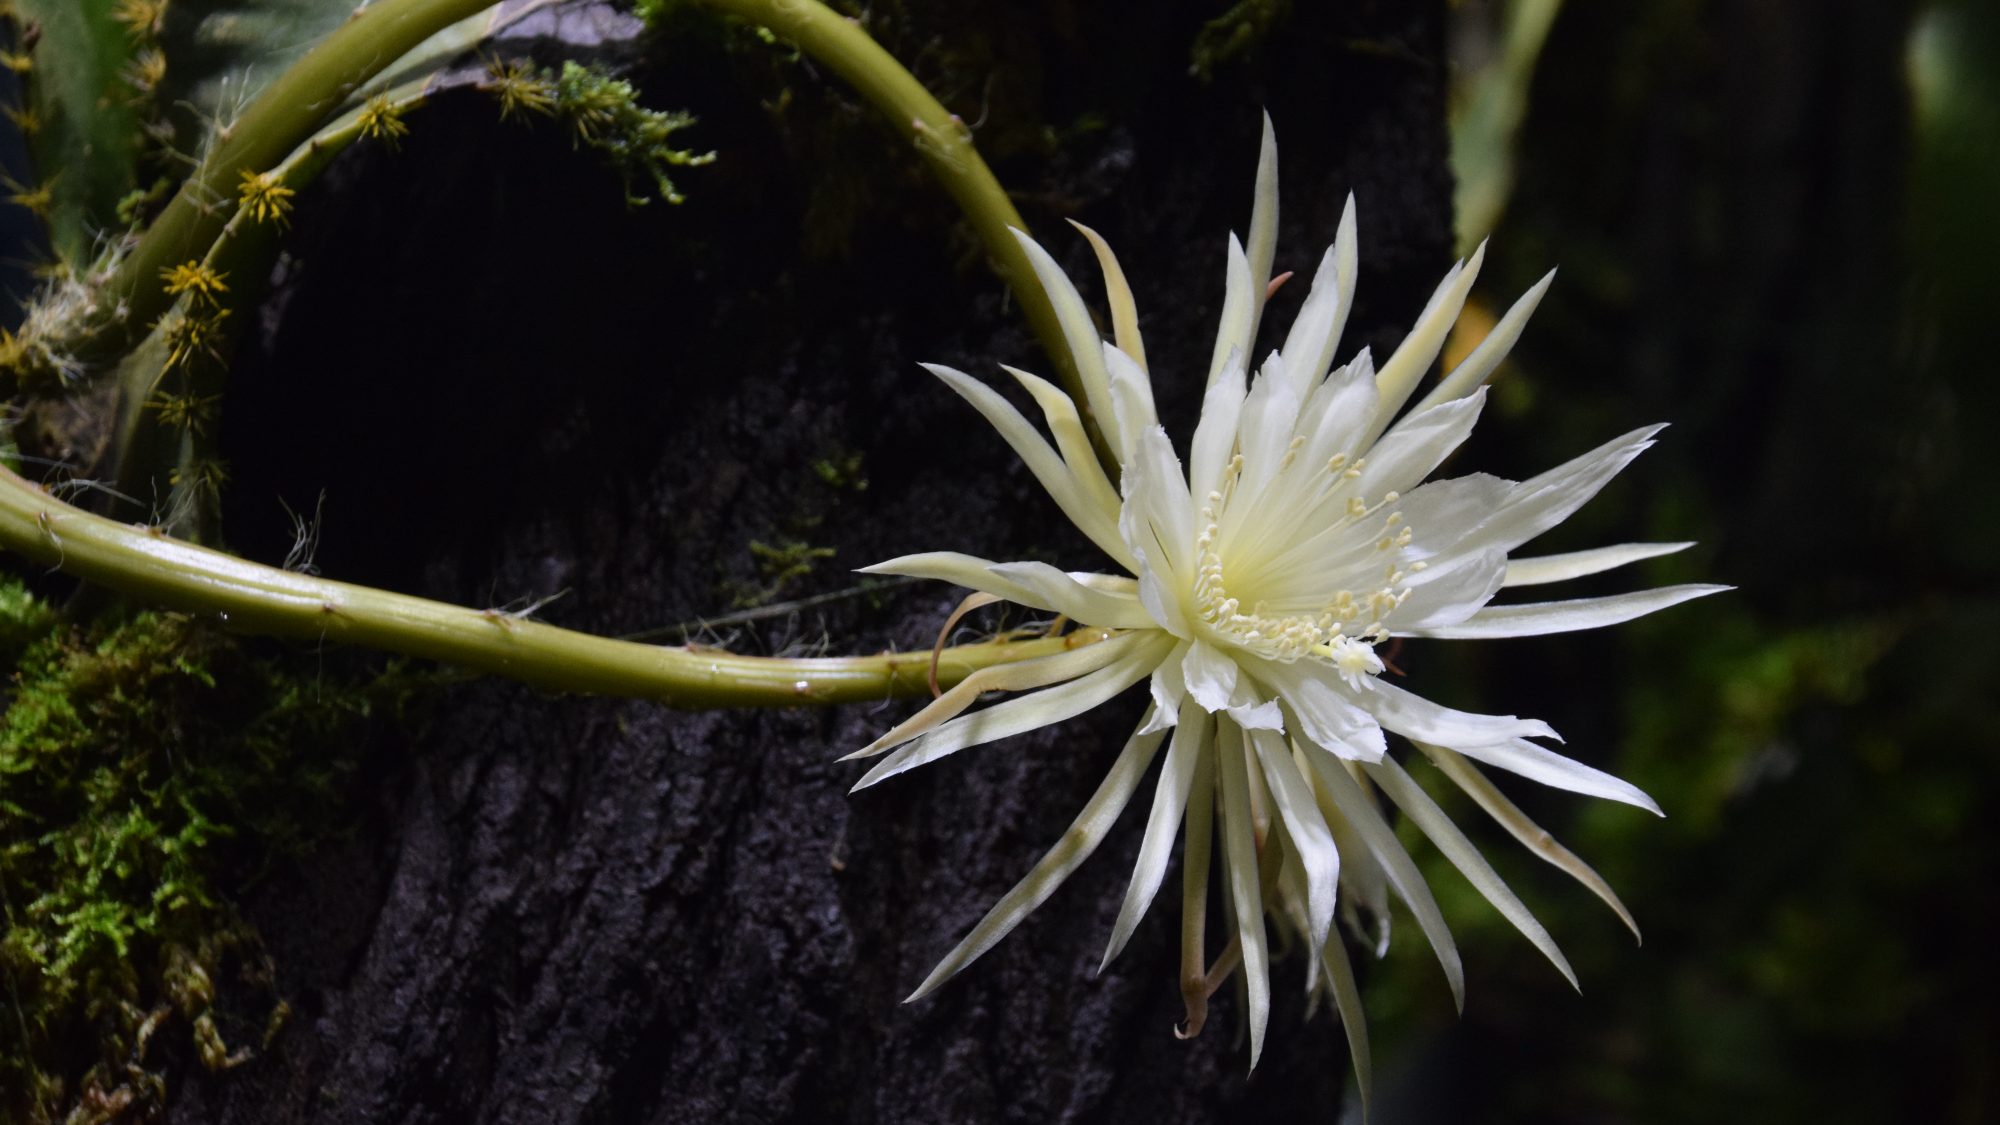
593 910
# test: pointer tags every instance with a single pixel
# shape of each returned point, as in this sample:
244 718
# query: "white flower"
1259 580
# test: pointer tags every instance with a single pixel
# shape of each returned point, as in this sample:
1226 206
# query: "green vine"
244 189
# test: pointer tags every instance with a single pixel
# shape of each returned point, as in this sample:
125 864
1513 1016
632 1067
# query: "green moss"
1235 34
779 565
149 769
841 471
605 114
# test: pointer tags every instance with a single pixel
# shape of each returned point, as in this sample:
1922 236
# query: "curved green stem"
148 450
946 145
146 563
307 94
282 117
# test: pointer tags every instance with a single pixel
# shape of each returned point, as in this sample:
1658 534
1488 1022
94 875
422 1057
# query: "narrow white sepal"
1311 841
1539 763
1418 806
1347 1000
1024 713
1579 564
1076 845
1400 375
1192 738
1078 332
1538 504
1020 675
1058 591
1531 835
1059 410
969 571
1263 240
1540 618
1118 295
1401 871
1475 369
1240 864
1413 716
1089 516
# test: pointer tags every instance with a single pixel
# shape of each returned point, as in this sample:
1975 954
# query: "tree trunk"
508 385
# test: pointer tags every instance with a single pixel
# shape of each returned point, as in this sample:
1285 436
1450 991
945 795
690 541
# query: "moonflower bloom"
1260 579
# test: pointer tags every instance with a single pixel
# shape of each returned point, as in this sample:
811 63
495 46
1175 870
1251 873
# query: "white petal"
1131 397
1085 833
1475 369
1238 311
1311 840
1353 804
1117 295
1159 592
1540 618
1218 685
1308 348
1538 504
1250 713
1419 443
1059 410
1020 675
1215 434
1065 595
1443 514
1264 428
1078 332
1240 855
1167 687
1326 716
1539 763
1315 335
1089 516
1338 410
1193 735
1211 677
1448 590
1158 524
1420 348
1026 712
1578 564
1418 806
1488 796
1415 717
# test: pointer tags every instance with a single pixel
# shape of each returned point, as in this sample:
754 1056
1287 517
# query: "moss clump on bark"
150 768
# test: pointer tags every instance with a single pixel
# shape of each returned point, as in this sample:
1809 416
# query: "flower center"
1341 627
